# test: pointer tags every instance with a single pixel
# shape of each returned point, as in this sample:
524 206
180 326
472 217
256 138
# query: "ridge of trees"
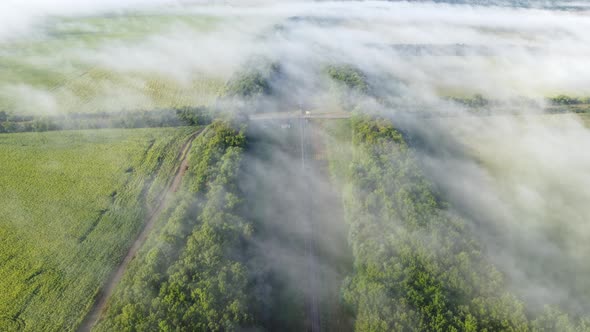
182 116
192 275
416 265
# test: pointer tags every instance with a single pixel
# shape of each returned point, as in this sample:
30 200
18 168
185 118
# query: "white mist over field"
509 52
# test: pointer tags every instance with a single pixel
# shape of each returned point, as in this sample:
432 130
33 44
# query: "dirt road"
101 300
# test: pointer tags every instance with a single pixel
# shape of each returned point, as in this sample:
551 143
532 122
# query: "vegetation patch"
349 76
191 275
255 80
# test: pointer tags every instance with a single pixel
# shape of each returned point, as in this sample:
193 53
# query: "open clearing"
71 204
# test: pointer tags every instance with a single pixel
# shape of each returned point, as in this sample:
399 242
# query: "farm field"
76 82
103 90
71 204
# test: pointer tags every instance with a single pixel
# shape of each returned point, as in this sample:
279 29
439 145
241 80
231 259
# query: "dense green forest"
416 265
190 274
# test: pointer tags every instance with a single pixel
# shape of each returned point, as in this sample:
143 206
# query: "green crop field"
71 204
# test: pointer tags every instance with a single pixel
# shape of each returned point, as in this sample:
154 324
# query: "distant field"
101 90
48 72
70 206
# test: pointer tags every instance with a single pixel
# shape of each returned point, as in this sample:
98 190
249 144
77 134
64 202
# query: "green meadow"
71 203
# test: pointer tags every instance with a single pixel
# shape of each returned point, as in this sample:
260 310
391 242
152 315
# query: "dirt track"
101 300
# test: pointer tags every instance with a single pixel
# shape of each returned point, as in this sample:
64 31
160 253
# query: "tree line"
191 276
183 116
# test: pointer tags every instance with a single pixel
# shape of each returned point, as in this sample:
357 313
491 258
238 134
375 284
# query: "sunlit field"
70 205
